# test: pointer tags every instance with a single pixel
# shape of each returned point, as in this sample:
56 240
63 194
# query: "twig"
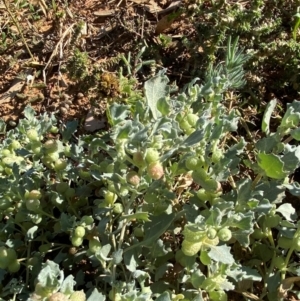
55 51
19 29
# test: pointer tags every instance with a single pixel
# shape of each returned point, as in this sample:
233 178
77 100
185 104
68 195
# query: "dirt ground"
102 29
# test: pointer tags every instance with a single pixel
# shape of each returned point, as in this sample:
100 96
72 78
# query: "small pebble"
12 123
65 96
63 110
69 101
80 95
66 106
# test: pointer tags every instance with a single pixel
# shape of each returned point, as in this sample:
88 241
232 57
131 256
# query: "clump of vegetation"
156 207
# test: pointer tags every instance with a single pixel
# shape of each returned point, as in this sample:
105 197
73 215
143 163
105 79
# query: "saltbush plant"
171 203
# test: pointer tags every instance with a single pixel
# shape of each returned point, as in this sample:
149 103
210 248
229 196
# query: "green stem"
287 259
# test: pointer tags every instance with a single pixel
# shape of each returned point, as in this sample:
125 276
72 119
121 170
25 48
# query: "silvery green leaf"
50 276
273 281
197 279
158 249
165 296
291 157
294 188
271 191
288 211
122 130
156 88
251 274
69 130
214 218
29 113
291 117
31 233
67 285
221 254
193 139
265 126
154 229
117 256
118 113
96 296
131 259
267 144
296 134
162 270
242 236
163 106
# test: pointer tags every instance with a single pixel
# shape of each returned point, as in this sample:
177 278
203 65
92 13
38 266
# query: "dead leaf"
104 13
139 1
93 124
163 24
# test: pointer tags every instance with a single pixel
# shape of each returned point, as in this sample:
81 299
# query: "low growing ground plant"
171 203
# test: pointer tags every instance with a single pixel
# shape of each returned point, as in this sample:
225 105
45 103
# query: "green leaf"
96 296
193 139
288 211
67 285
117 256
69 130
197 279
50 276
155 228
221 254
156 88
296 134
165 296
163 106
29 113
118 113
291 117
293 188
265 126
272 165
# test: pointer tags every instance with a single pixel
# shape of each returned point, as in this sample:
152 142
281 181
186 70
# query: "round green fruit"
51 146
88 220
211 233
79 231
133 178
138 159
33 205
192 119
110 197
60 165
94 245
155 170
118 208
32 135
14 266
152 155
192 163
33 195
15 144
224 234
77 241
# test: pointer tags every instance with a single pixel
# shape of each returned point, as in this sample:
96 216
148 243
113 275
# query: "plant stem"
19 28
